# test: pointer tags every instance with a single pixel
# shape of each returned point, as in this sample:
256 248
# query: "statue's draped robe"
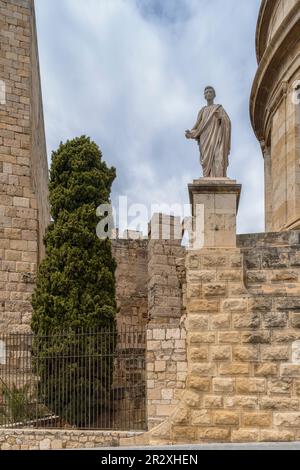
213 133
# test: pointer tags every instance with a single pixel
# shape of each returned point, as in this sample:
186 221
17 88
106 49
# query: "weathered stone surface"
219 322
184 433
287 420
199 354
214 261
249 386
202 338
198 322
286 336
276 436
205 306
256 277
241 402
30 439
260 304
275 353
213 402
253 261
275 320
191 399
273 258
280 386
226 418
290 370
245 435
229 337
214 434
280 404
201 418
257 419
198 383
204 369
214 290
24 207
181 416
235 305
296 352
246 321
234 369
223 385
295 320
297 387
245 353
221 353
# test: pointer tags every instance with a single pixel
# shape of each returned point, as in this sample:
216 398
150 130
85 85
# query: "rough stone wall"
29 439
129 384
24 211
166 336
131 281
243 337
38 161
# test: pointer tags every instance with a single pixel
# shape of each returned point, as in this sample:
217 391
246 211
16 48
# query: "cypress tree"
75 289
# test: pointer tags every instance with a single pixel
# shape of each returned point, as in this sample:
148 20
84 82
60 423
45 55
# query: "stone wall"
281 9
131 281
24 208
275 111
39 163
166 371
30 439
166 336
243 345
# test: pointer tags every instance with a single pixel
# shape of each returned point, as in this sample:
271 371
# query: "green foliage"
17 404
76 281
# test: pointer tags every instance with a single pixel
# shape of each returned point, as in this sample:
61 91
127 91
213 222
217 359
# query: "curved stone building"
275 110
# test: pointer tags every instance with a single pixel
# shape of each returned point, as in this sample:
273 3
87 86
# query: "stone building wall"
24 211
166 357
274 109
222 323
39 163
131 282
30 439
166 364
243 345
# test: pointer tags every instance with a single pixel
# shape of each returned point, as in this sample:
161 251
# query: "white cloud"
131 73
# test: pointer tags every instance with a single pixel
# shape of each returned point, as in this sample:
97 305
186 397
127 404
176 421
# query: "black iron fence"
82 380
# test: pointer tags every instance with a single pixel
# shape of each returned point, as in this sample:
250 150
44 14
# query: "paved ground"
265 446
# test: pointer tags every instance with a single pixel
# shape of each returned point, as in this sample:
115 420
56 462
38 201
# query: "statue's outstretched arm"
198 122
193 132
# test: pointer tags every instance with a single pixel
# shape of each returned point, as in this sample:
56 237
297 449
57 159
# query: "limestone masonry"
24 207
222 316
275 110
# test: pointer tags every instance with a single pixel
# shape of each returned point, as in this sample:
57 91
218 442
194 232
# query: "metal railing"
82 380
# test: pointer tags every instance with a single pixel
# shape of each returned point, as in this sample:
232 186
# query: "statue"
213 134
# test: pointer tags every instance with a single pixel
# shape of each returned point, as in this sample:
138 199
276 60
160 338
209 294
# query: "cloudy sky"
131 74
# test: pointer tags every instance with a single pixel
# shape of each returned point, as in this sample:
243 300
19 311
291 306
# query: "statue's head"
209 94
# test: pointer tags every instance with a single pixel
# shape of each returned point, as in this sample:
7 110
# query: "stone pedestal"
215 203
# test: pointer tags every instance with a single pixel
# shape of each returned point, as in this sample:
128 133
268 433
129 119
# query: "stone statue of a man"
213 134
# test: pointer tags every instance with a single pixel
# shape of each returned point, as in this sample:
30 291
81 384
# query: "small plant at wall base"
17 404
75 291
